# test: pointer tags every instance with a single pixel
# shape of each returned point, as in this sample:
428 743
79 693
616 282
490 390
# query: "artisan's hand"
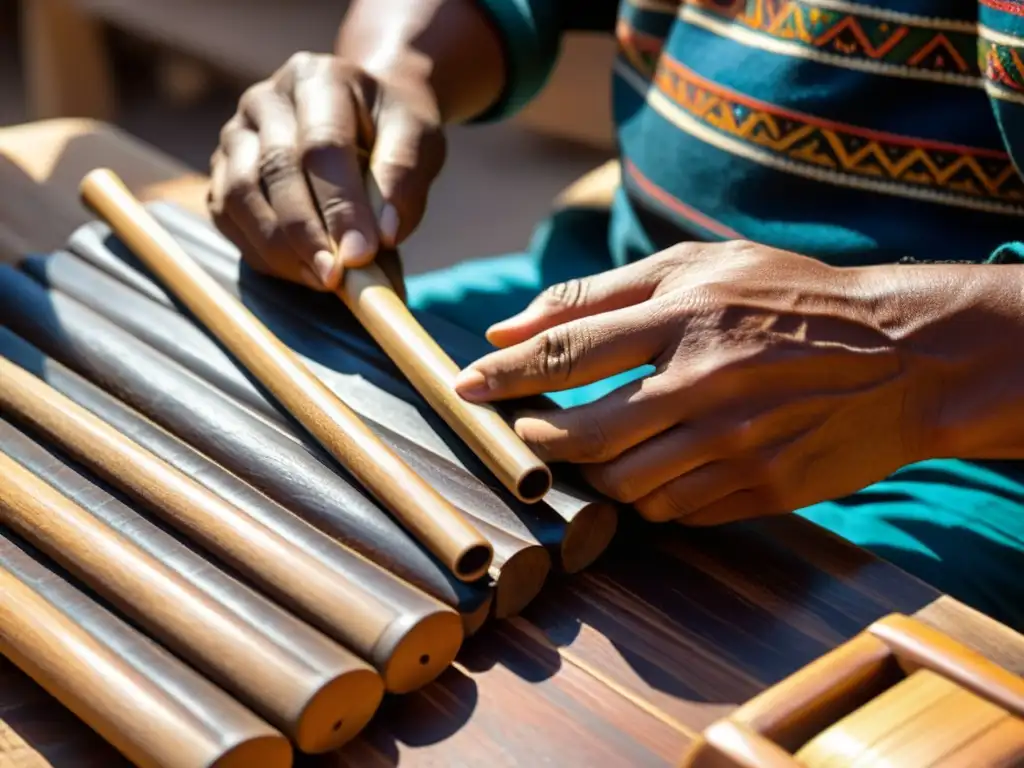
775 384
287 180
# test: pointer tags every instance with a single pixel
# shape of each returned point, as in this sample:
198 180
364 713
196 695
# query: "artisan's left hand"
775 384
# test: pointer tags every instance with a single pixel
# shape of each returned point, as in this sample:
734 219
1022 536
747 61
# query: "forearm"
449 44
962 327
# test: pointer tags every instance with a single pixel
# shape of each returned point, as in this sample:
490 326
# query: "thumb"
574 299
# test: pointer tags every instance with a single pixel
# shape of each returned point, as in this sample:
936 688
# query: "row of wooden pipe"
268 627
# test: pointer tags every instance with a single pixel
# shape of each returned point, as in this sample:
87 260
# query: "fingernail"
471 383
388 224
353 248
516 319
325 265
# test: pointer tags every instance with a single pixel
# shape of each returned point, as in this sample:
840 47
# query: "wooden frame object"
865 699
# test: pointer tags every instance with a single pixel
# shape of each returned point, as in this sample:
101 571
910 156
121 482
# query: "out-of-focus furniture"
69 73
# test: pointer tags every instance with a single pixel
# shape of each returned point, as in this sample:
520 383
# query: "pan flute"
202 584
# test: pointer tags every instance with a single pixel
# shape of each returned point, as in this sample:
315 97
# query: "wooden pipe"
370 296
311 710
155 710
431 519
428 644
222 429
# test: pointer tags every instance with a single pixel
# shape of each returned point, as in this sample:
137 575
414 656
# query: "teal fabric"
530 31
954 524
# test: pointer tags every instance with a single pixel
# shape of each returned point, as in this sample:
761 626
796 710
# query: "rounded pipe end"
588 535
338 711
423 652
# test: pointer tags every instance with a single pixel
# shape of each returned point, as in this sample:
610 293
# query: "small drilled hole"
424 659
337 725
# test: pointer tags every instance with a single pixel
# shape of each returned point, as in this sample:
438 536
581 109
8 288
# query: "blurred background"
170 72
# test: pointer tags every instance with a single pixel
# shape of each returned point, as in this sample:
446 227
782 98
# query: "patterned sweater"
855 132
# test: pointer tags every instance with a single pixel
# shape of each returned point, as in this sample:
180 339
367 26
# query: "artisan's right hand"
287 180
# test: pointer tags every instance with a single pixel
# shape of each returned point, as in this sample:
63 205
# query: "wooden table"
621 666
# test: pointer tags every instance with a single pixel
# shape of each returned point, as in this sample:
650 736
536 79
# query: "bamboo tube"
151 707
311 711
256 550
226 432
520 564
371 298
575 528
394 646
369 295
435 522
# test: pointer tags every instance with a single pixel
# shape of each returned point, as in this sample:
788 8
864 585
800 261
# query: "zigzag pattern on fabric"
843 154
846 35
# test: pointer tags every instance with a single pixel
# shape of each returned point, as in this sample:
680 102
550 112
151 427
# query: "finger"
266 248
215 204
327 114
738 506
407 157
574 299
688 494
287 190
567 356
600 431
647 466
735 435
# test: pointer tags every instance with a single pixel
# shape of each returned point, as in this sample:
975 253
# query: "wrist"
445 47
960 331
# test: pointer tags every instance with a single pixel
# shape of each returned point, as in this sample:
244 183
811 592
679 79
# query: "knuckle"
320 139
662 507
565 295
253 96
228 131
593 444
618 485
559 351
301 63
278 165
238 191
340 209
743 436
